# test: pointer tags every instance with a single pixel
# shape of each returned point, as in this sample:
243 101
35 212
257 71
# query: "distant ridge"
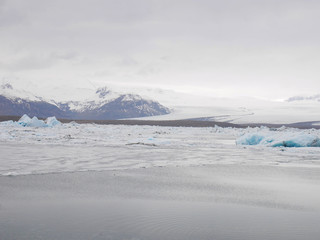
304 98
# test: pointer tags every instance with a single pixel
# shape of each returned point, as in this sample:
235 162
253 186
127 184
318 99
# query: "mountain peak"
304 98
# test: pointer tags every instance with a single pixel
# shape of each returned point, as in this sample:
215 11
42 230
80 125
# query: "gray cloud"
239 47
29 61
10 16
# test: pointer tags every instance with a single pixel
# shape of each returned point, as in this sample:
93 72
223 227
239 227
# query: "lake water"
213 202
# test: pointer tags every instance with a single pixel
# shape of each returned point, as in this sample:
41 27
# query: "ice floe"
32 146
280 139
26 121
52 121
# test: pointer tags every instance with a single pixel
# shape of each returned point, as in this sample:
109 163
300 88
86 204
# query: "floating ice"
26 121
92 147
52 121
8 123
250 139
35 122
279 139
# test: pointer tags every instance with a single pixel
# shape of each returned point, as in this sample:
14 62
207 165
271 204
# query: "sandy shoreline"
220 201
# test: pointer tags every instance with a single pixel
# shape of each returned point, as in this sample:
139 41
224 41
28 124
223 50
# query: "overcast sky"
261 48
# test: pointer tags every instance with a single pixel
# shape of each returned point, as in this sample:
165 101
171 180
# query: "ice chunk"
24 120
7 123
298 140
35 122
279 139
52 121
250 139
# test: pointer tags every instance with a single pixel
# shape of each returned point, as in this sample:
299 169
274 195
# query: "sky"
259 48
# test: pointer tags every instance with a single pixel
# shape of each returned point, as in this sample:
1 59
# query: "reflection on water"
121 219
232 201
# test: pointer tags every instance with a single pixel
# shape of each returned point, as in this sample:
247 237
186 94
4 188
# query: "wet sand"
207 202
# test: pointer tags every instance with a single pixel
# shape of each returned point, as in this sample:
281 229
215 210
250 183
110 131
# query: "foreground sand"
206 202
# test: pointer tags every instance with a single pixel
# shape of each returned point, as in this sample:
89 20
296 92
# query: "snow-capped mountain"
102 103
93 101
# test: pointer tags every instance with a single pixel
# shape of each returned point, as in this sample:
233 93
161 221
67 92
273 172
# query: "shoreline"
179 123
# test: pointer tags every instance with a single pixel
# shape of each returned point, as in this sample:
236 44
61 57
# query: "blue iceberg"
279 139
26 121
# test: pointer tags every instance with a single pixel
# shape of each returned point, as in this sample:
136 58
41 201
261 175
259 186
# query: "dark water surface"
216 202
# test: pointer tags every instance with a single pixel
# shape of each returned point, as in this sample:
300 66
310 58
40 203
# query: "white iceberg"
26 121
52 121
8 123
35 122
280 139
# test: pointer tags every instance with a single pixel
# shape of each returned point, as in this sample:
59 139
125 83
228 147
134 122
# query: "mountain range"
304 98
101 104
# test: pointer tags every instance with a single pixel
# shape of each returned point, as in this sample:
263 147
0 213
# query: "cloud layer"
255 48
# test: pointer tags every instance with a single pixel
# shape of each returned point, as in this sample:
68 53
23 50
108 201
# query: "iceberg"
52 121
35 122
250 139
26 121
279 139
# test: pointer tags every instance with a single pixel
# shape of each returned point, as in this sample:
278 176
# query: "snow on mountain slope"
77 103
101 93
182 105
10 92
90 97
